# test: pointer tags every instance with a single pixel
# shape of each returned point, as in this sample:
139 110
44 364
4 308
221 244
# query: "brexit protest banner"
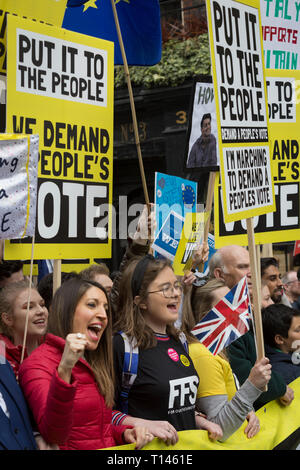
46 11
173 194
284 118
60 86
277 424
241 105
281 33
18 183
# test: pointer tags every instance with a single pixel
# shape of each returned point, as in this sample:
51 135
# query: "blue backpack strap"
184 341
130 367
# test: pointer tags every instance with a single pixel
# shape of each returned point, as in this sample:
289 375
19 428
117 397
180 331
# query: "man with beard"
270 275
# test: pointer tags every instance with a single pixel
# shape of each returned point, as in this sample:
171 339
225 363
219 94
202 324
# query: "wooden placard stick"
258 272
56 274
132 106
255 290
208 208
267 250
28 301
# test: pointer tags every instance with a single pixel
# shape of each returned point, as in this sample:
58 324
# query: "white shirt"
3 405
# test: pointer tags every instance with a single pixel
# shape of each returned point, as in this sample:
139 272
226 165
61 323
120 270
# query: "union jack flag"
227 321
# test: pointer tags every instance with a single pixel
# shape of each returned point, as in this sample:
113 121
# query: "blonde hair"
129 316
60 323
8 295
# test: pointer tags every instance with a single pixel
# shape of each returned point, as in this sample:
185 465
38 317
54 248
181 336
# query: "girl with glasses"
162 392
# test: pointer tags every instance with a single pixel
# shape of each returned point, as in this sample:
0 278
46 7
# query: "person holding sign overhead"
68 380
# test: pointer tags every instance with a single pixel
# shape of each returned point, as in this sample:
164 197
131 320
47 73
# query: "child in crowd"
13 310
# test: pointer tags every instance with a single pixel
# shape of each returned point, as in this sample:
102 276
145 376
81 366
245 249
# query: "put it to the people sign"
241 106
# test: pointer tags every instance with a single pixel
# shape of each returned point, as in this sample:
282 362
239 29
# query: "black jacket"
284 364
15 431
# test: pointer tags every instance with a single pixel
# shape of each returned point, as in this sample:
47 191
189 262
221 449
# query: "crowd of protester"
109 362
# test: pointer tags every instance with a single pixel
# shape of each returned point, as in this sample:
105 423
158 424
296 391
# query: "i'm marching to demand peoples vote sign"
60 86
238 73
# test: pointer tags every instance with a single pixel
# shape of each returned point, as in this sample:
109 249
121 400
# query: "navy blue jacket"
283 364
15 432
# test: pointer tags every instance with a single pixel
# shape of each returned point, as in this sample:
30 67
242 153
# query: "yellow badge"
184 360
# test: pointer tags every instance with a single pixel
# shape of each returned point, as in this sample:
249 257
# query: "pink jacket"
74 415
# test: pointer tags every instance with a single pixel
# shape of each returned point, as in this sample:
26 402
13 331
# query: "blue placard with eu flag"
139 23
172 195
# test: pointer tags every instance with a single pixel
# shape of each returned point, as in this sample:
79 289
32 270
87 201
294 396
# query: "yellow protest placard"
241 106
284 120
47 11
190 239
60 86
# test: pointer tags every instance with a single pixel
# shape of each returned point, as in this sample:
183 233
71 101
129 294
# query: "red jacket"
74 415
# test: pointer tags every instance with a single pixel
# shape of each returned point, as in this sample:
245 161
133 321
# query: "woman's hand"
146 226
164 431
140 435
73 351
43 445
253 425
260 373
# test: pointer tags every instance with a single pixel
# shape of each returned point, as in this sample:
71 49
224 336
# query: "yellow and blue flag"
139 23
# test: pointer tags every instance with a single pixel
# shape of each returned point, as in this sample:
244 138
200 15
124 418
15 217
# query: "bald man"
231 263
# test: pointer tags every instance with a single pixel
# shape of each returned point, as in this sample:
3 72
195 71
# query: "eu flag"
139 23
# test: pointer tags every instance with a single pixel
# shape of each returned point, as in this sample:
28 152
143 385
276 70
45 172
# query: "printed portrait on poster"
202 138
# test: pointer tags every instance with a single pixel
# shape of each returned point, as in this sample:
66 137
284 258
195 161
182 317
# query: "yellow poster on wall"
60 86
241 107
284 120
47 11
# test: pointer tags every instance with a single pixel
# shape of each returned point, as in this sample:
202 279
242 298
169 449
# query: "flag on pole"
139 23
227 321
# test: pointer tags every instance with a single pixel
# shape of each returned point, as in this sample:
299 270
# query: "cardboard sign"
18 183
238 75
60 86
284 224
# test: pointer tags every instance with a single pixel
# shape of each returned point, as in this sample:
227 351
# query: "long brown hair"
61 318
129 317
198 301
